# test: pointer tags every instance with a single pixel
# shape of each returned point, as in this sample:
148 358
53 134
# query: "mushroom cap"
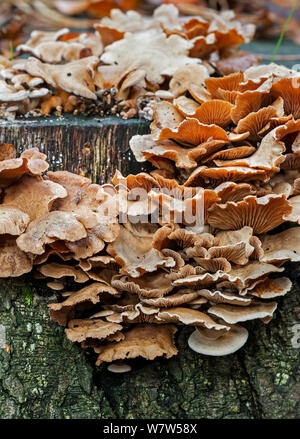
74 77
233 314
92 293
282 246
185 76
189 316
119 368
226 344
55 47
148 341
58 271
81 329
52 227
149 285
13 261
142 258
31 162
33 196
145 49
262 214
13 221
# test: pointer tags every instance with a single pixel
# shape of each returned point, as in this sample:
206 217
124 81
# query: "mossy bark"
43 375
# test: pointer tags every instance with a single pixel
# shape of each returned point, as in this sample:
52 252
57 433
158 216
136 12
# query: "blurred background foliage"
19 17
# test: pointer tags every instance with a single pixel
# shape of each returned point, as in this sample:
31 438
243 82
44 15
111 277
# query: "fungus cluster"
188 243
123 67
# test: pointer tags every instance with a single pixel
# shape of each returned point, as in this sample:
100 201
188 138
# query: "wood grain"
94 147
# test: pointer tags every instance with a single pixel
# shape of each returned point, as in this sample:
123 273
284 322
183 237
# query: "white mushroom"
206 343
119 367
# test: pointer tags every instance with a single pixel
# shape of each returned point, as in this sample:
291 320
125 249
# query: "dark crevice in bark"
255 404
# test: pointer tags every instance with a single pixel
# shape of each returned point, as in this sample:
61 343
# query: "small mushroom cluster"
187 244
123 67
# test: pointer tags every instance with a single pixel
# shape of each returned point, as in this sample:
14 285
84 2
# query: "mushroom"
53 226
172 51
13 221
189 316
143 257
74 77
80 330
207 342
185 76
34 197
119 367
270 211
91 294
56 47
282 246
59 271
148 341
149 285
13 261
30 162
56 286
210 274
233 314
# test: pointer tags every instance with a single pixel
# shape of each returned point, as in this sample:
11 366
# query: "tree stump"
92 146
43 375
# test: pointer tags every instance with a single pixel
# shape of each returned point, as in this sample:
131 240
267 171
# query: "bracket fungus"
127 264
123 66
139 279
210 343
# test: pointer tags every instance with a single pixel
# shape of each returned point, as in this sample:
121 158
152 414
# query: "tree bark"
43 375
94 146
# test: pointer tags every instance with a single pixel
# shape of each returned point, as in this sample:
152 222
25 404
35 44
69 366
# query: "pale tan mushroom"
234 245
172 51
269 154
58 271
148 341
31 162
95 206
80 330
119 367
189 316
34 197
91 294
186 76
271 288
224 297
283 246
149 285
241 277
52 227
55 285
74 77
13 261
262 214
179 298
142 258
13 221
234 314
55 47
